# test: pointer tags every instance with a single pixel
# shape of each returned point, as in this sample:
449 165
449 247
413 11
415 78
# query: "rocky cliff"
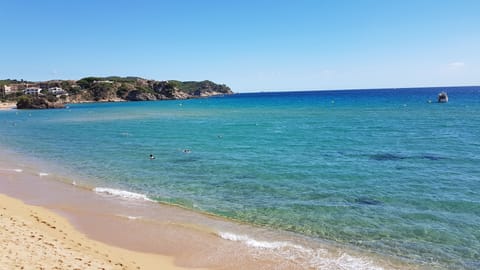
138 89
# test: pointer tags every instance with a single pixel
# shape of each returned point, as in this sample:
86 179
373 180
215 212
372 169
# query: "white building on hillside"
7 89
57 91
34 91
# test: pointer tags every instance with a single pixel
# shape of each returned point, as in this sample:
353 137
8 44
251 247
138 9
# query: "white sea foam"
351 262
256 243
42 174
13 170
130 217
317 258
121 193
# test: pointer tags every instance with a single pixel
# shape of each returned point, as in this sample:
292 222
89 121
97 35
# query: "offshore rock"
38 103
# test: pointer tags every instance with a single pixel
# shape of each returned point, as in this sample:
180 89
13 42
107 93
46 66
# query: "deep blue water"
383 170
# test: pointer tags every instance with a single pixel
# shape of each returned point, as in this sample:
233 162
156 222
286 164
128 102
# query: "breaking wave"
121 194
309 258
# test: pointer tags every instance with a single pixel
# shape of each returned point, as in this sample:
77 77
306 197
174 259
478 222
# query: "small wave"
42 174
255 243
351 262
317 258
129 217
121 193
13 170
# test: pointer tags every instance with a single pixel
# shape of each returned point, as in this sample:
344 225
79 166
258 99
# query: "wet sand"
35 238
134 225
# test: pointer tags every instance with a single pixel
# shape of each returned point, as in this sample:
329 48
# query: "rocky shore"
56 93
27 102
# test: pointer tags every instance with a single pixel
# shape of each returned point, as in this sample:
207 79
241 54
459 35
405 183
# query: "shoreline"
192 239
35 237
13 105
8 105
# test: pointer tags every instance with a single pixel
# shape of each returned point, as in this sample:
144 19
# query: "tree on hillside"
87 82
101 91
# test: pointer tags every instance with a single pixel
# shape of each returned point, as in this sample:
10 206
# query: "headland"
56 93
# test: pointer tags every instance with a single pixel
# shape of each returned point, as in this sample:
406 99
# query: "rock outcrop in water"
26 102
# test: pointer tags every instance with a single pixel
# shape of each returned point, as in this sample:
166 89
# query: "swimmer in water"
187 151
151 156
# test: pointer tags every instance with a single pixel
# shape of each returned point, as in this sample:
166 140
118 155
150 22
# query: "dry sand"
7 105
35 238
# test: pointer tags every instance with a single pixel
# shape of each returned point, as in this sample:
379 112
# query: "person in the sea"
151 156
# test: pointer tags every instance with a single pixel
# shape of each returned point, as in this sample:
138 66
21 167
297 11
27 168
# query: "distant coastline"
56 93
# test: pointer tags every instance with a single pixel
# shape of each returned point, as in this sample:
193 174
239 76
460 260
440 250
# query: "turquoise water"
382 170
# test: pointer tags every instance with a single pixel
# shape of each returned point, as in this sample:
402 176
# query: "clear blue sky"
255 45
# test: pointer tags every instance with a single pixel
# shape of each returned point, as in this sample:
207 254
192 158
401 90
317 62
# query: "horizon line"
354 89
264 90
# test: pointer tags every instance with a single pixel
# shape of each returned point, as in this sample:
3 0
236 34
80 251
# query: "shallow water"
381 170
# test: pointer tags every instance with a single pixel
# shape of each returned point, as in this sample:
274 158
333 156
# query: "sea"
390 171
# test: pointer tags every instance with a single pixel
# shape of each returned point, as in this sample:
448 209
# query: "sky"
249 45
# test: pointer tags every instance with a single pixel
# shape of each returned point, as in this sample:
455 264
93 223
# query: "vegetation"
10 81
134 88
113 88
196 88
32 102
24 101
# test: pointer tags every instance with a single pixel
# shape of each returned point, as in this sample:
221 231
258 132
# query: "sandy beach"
7 105
35 238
